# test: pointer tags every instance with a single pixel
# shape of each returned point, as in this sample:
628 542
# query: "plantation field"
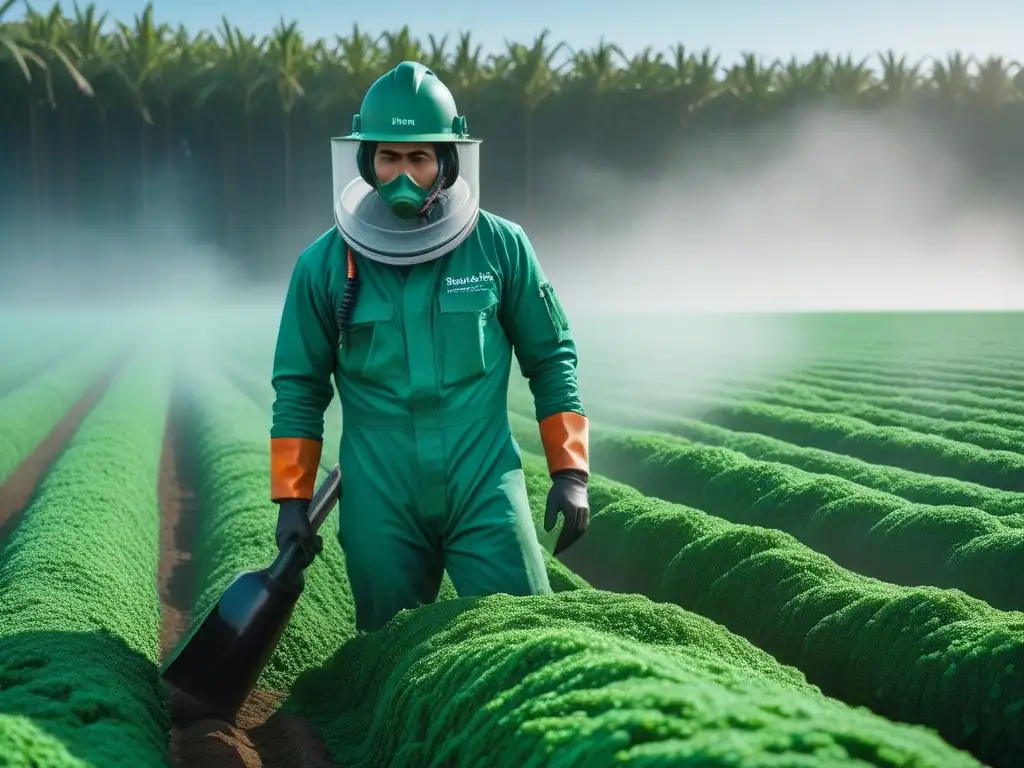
800 554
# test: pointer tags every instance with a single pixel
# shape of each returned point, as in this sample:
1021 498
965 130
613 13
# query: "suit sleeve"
536 324
303 363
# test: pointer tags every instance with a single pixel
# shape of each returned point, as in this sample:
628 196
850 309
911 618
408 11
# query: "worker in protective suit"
415 301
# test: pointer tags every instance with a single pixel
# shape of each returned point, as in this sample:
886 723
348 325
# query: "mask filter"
403 196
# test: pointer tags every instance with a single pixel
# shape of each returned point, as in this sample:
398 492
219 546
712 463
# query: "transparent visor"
368 225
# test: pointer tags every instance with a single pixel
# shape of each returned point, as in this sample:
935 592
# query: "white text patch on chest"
481 281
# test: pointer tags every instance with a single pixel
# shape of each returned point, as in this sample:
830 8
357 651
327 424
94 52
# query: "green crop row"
856 359
913 654
892 381
30 413
24 744
955 424
803 399
79 616
988 405
973 369
868 531
988 391
824 398
230 436
585 678
930 361
981 403
913 486
894 446
986 386
24 358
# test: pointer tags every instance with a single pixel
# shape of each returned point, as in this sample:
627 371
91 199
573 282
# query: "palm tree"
801 83
900 80
360 61
15 44
97 63
437 58
849 80
144 53
47 35
994 83
645 70
753 83
237 73
12 44
595 73
400 46
952 80
694 81
530 72
290 60
467 68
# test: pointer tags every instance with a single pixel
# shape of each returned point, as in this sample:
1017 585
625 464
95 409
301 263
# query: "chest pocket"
375 349
469 324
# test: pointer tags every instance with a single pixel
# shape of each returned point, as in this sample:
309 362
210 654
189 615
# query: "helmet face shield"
369 226
409 104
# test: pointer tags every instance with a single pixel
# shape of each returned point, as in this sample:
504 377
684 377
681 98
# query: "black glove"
293 525
568 495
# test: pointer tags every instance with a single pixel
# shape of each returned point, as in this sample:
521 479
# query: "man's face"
417 160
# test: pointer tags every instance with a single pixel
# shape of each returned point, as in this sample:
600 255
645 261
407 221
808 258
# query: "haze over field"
851 212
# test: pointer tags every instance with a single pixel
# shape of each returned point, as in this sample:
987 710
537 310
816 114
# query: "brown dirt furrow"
175 577
20 487
260 737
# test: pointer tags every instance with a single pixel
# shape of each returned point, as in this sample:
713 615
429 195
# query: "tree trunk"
169 150
528 167
253 207
228 190
70 175
287 167
34 152
143 207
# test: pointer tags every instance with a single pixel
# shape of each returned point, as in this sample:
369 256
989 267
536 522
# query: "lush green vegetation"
876 533
587 678
736 592
912 486
26 354
831 623
79 617
29 413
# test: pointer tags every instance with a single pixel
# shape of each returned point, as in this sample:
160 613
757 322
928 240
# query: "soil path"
260 737
18 491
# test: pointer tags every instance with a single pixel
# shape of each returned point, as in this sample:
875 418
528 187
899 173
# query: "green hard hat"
409 103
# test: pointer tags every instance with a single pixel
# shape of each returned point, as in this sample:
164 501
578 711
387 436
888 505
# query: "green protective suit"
432 478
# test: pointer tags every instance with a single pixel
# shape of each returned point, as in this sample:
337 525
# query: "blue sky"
773 28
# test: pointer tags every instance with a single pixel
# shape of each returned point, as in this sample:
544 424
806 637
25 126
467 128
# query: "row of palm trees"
151 61
241 120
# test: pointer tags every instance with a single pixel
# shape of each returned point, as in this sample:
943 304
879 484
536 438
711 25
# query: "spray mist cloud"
834 212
